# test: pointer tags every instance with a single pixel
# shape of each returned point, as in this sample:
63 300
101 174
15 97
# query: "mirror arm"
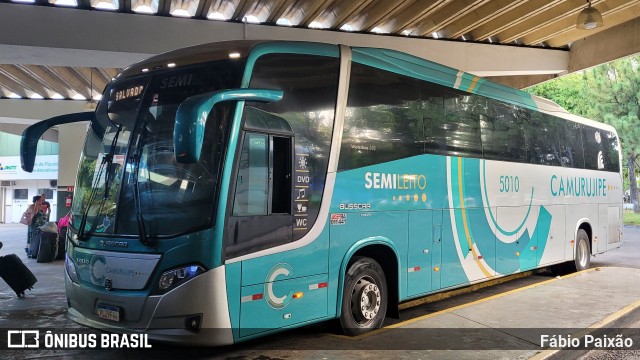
31 135
192 114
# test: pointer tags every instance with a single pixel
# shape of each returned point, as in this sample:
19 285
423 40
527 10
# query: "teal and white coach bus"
229 190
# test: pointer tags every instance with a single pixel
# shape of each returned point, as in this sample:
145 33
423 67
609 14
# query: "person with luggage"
39 218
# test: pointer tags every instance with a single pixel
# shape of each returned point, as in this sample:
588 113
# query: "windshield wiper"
107 162
144 238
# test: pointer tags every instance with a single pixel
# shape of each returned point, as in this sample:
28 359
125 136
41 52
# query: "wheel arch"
382 250
584 224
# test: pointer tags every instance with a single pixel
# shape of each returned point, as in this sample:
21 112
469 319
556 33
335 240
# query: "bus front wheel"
364 300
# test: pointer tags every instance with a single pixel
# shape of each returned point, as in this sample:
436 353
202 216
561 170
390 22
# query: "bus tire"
582 260
364 298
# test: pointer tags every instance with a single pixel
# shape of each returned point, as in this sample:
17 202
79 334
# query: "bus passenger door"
283 288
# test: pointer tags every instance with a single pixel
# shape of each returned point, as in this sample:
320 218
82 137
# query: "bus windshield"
129 182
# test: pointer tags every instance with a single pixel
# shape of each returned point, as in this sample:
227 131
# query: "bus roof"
391 60
190 55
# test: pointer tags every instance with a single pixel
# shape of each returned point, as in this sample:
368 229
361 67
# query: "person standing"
45 206
39 218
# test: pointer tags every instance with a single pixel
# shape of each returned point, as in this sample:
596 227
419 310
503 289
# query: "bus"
231 190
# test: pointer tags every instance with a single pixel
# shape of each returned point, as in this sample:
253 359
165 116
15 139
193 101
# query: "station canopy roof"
528 23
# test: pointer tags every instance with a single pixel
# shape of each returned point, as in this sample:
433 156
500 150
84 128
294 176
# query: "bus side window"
262 207
263 185
280 198
252 190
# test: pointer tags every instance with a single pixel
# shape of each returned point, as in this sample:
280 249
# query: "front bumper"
162 317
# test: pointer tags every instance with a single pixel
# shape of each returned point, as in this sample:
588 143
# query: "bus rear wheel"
364 299
583 251
582 259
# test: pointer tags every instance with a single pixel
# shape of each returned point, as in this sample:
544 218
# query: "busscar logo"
22 339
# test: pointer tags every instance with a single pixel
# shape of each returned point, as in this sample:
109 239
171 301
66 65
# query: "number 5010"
509 183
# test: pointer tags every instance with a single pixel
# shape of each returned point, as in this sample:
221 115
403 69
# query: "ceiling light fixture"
183 8
144 6
252 19
284 22
346 27
589 18
216 16
105 4
64 2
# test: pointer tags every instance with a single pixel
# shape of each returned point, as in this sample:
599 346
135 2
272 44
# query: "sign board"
46 167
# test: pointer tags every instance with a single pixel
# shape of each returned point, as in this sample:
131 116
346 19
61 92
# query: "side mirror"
192 114
31 135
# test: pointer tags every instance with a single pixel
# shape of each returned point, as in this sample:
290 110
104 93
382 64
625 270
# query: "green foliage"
567 91
631 218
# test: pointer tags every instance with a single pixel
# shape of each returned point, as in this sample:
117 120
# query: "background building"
18 187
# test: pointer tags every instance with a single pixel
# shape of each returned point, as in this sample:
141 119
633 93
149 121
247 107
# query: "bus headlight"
174 277
71 269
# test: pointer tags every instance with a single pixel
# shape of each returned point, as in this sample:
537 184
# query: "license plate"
109 312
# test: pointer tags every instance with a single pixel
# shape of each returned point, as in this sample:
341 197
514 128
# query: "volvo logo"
113 243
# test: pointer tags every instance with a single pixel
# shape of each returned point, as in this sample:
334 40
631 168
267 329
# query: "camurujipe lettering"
394 181
578 186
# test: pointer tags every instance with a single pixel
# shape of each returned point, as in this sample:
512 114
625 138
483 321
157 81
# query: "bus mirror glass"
192 115
31 135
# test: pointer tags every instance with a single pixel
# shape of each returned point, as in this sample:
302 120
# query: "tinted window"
502 132
611 150
462 124
542 140
383 121
593 149
570 141
252 184
20 194
435 125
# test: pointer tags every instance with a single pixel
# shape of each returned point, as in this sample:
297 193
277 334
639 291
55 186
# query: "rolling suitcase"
47 248
16 274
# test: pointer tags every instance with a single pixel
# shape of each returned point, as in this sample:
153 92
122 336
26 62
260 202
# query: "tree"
609 93
614 90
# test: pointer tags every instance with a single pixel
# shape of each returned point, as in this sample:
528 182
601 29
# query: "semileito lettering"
374 180
176 81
